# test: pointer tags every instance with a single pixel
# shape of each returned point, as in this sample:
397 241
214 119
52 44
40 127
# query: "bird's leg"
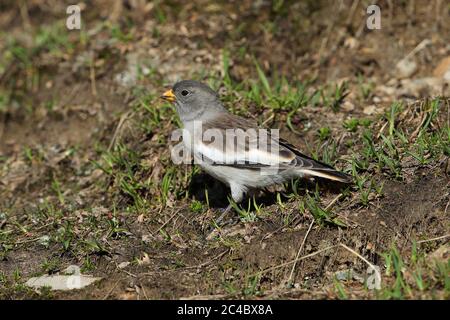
224 213
237 194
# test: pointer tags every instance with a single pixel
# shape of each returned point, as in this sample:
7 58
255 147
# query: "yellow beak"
169 96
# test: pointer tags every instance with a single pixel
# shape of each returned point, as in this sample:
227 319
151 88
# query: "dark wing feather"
289 156
285 157
316 167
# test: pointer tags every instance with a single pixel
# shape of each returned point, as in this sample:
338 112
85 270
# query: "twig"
293 261
314 254
2 125
165 223
382 129
69 97
434 239
27 241
122 120
267 120
24 15
267 236
204 264
422 122
206 297
201 265
278 292
333 201
448 203
420 46
439 13
358 255
92 76
299 251
145 293
352 11
128 273
111 290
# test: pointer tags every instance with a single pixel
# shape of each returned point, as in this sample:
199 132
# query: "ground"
86 176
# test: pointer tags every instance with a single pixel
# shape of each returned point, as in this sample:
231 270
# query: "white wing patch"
235 155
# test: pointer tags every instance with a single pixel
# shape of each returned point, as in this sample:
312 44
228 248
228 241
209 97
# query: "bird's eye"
184 93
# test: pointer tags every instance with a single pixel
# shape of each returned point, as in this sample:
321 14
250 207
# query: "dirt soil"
86 177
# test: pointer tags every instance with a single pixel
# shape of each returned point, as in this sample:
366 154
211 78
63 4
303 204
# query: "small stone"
70 280
146 238
406 68
422 87
369 110
44 241
351 43
348 274
123 265
392 82
348 106
387 90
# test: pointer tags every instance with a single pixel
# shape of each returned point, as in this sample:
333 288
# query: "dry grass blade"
291 275
122 120
358 255
434 239
295 260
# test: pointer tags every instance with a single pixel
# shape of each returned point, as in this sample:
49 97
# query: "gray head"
194 100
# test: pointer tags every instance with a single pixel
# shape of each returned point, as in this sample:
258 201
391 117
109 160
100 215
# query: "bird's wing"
309 166
230 140
233 141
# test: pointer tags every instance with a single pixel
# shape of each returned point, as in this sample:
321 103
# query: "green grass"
22 62
385 152
407 275
365 88
322 216
414 276
333 97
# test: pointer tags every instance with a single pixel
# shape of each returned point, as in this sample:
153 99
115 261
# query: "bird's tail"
327 173
307 166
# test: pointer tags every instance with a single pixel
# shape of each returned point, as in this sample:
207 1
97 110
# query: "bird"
244 165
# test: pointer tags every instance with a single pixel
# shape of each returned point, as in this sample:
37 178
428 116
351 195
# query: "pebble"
406 68
348 106
422 87
369 110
